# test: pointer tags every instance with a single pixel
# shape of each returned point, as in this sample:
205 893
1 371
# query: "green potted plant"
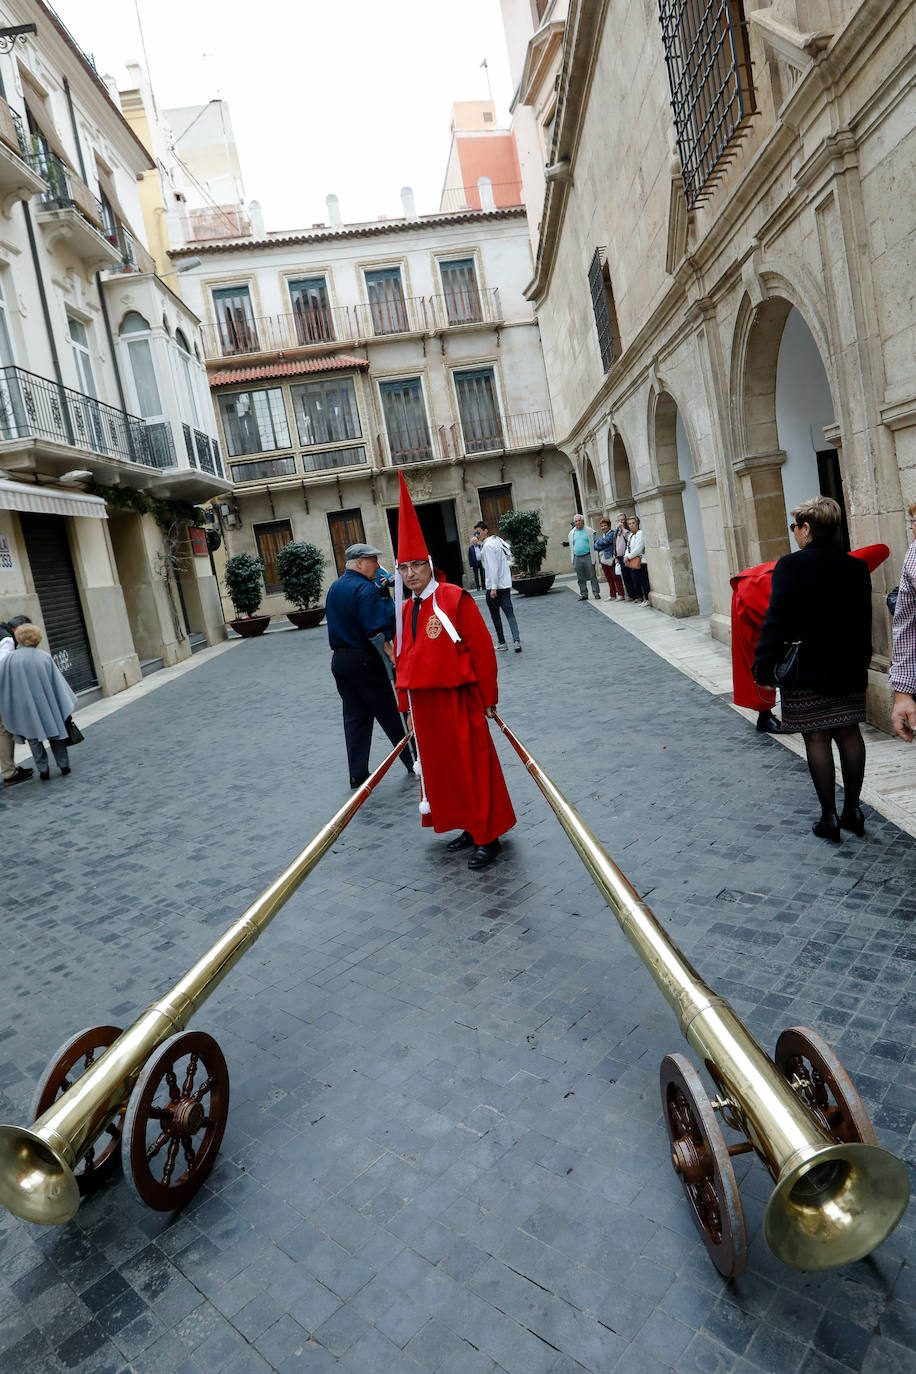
245 585
300 567
522 531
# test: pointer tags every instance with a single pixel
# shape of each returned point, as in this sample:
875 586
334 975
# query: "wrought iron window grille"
712 93
599 285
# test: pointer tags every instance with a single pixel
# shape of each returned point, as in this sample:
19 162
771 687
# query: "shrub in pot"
245 585
522 530
301 567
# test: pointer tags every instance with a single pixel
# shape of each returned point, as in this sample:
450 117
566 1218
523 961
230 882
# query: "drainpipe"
55 360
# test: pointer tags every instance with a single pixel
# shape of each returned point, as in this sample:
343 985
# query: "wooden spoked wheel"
700 1158
69 1064
812 1068
175 1120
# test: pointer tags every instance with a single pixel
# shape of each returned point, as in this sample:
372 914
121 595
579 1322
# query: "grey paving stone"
444 1111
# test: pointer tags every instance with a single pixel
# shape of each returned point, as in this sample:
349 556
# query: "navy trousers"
365 690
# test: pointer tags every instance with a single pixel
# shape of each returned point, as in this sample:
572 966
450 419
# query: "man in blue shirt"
582 548
359 631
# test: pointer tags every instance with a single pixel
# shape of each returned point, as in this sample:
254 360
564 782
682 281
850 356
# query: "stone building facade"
102 385
724 274
338 356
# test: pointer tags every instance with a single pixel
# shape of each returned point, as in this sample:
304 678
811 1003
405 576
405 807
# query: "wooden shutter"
346 528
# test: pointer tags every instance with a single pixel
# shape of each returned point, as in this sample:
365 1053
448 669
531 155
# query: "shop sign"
198 542
7 563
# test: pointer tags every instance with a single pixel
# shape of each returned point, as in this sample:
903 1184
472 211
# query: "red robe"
462 779
750 599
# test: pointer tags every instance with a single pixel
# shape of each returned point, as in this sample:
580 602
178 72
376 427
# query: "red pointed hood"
411 544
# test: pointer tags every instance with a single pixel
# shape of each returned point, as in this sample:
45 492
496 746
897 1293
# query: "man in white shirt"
8 770
497 571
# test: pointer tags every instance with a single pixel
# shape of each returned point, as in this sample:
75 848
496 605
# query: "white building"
101 380
340 355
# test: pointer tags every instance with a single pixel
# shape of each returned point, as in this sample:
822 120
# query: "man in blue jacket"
359 632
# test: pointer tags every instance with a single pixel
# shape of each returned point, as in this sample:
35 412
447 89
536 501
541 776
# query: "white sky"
350 96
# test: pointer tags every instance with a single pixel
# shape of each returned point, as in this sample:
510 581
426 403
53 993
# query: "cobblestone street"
445 1149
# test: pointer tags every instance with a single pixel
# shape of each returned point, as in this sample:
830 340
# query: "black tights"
851 747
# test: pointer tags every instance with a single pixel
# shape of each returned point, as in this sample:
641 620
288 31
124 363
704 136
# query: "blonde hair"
29 636
911 510
821 514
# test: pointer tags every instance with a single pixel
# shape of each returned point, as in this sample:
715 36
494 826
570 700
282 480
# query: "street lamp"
187 266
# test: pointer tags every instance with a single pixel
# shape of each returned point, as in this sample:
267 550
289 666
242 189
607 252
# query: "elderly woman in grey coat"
36 700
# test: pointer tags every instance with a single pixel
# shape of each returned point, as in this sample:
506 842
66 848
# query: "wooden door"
270 540
346 528
494 502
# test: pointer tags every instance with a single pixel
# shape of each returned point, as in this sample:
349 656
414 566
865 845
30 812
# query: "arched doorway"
690 591
621 474
787 404
593 505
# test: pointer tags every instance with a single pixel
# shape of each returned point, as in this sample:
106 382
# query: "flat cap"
362 551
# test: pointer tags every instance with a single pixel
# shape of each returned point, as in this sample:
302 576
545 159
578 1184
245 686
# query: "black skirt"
806 710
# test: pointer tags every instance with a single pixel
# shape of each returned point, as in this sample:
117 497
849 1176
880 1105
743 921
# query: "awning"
50 500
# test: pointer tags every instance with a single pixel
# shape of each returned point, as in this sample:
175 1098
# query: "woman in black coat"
822 598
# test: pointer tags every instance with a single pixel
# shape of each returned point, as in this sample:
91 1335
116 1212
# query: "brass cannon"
158 1092
838 1195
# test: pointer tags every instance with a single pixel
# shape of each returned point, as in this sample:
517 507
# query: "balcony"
55 429
504 434
316 328
70 213
18 181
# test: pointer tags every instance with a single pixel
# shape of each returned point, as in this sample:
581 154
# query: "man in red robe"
446 681
750 599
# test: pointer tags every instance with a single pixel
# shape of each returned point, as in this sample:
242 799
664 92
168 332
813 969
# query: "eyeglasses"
416 566
793 526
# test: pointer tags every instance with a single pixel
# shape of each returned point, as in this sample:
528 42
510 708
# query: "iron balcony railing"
503 433
34 407
203 452
65 190
313 326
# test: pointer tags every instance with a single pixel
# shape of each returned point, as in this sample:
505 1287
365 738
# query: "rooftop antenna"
486 66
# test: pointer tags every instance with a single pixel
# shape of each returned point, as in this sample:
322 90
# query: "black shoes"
44 777
827 828
20 775
853 820
767 724
484 854
64 772
358 782
462 841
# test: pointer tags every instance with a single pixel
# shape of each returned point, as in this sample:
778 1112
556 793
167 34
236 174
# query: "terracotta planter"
249 626
306 620
536 585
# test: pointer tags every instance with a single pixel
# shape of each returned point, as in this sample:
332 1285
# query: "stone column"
661 513
765 503
116 662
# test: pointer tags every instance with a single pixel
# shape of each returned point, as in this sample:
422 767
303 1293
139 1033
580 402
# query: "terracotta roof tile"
343 362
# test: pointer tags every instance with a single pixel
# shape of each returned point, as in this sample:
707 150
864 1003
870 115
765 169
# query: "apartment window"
405 420
346 528
187 389
326 411
386 301
599 284
235 320
319 459
135 333
479 410
12 415
309 296
494 502
709 76
260 468
254 421
270 540
459 285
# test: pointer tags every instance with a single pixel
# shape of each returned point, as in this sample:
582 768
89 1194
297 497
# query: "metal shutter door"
52 572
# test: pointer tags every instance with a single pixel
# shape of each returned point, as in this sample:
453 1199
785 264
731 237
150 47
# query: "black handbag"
785 674
74 733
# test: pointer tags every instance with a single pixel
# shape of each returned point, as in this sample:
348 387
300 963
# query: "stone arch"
592 487
673 511
620 470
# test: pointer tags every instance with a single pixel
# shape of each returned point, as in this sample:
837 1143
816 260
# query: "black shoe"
853 820
767 724
484 854
20 775
45 777
64 771
358 782
583 598
827 828
462 841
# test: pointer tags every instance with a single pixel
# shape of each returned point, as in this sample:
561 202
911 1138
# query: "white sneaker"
502 648
517 647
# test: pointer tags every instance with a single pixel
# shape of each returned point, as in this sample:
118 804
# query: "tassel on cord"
418 769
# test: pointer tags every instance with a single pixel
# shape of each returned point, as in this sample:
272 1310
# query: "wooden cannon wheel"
64 1068
816 1073
700 1158
175 1120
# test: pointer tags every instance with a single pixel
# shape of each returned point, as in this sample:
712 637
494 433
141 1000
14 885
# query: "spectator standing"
8 770
635 561
582 551
621 535
475 563
903 660
36 700
359 625
606 547
497 569
820 605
